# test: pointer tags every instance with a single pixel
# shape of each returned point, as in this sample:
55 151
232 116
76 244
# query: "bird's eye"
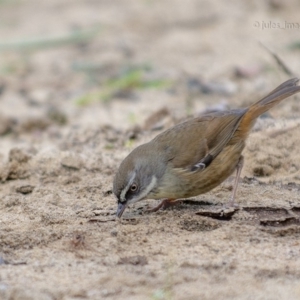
133 187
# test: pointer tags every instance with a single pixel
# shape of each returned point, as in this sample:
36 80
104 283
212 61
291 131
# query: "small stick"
279 61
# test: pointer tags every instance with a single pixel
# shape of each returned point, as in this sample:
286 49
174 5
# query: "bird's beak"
121 208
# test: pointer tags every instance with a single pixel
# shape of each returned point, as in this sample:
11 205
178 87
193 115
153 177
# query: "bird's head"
137 176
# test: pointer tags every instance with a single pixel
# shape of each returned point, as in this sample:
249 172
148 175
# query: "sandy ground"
70 113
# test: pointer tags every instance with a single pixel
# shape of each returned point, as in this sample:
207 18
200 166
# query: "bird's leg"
239 168
165 203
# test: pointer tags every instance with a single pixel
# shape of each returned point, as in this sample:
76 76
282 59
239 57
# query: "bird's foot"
164 204
231 204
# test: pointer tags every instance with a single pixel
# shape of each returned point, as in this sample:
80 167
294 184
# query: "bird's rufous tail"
286 89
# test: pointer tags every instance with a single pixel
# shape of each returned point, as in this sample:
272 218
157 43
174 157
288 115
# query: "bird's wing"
195 143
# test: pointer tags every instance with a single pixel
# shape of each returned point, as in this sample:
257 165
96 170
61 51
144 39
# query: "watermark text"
284 25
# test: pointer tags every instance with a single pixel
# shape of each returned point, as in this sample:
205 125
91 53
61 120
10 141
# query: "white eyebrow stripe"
125 190
146 191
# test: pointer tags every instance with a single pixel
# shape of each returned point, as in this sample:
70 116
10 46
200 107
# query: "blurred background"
95 62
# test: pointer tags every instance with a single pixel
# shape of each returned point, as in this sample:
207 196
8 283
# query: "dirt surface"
73 107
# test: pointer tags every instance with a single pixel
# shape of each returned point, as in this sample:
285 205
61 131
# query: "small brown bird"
192 157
